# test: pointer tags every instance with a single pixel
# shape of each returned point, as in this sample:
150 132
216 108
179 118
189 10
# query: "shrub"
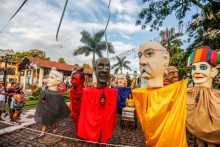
36 93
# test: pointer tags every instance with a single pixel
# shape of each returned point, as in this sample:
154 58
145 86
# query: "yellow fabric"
130 102
162 114
203 118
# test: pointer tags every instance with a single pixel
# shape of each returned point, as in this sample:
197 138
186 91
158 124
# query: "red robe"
76 98
97 122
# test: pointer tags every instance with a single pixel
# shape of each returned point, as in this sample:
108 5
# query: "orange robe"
162 114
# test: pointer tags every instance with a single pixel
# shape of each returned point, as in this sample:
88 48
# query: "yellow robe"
162 114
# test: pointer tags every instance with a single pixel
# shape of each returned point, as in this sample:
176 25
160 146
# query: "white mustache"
146 69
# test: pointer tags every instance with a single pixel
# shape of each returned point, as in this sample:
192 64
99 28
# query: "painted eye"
100 66
149 54
203 67
193 68
139 55
107 67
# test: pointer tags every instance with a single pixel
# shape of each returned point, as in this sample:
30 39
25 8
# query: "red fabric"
76 98
97 122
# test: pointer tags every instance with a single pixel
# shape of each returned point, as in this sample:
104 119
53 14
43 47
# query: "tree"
86 65
157 11
93 45
61 60
121 63
76 64
171 38
35 53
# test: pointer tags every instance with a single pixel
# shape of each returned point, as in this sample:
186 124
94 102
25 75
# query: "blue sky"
35 26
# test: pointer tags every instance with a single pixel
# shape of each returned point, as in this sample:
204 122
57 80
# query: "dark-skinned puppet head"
102 72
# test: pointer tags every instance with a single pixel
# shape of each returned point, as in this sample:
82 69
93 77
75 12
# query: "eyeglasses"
172 73
149 52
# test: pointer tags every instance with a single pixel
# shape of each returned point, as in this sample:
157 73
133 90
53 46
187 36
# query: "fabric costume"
123 93
97 122
203 104
76 97
162 114
53 111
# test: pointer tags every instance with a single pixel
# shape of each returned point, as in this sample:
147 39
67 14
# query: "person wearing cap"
77 81
160 109
51 106
203 101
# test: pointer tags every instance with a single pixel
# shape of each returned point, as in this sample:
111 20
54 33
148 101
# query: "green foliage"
66 96
36 93
93 45
86 65
61 60
36 53
121 63
203 32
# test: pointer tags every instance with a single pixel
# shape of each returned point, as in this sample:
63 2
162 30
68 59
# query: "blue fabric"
123 93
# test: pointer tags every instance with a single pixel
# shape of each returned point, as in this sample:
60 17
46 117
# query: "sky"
35 27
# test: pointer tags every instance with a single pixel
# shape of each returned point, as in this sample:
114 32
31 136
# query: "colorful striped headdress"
204 54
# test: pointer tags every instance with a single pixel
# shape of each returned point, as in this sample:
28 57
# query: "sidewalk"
27 118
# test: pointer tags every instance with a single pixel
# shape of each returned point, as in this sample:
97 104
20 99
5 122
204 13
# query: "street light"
6 54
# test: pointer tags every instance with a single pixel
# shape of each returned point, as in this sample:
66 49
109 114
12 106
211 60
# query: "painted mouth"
198 77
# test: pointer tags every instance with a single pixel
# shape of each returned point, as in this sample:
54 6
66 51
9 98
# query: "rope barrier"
66 137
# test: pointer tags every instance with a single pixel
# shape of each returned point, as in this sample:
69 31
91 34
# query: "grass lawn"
29 104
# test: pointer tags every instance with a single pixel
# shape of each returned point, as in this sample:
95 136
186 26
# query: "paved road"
126 136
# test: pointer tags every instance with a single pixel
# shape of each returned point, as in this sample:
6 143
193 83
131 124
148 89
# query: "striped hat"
204 54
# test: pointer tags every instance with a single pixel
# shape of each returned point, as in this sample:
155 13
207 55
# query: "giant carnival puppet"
77 82
51 106
203 101
135 81
99 106
160 109
171 75
123 92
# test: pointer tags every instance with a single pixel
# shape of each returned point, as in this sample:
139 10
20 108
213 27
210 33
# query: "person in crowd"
77 81
203 101
51 106
160 108
18 102
99 106
2 99
10 94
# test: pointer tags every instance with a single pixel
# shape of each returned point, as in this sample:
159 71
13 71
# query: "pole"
5 71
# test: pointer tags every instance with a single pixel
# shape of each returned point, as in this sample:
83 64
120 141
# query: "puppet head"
54 79
203 61
153 60
172 72
102 71
121 80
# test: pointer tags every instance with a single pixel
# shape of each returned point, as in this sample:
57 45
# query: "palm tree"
93 44
121 63
170 38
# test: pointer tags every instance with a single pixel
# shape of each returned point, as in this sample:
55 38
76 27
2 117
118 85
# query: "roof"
49 64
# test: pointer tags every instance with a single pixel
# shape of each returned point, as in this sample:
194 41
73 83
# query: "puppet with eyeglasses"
160 108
